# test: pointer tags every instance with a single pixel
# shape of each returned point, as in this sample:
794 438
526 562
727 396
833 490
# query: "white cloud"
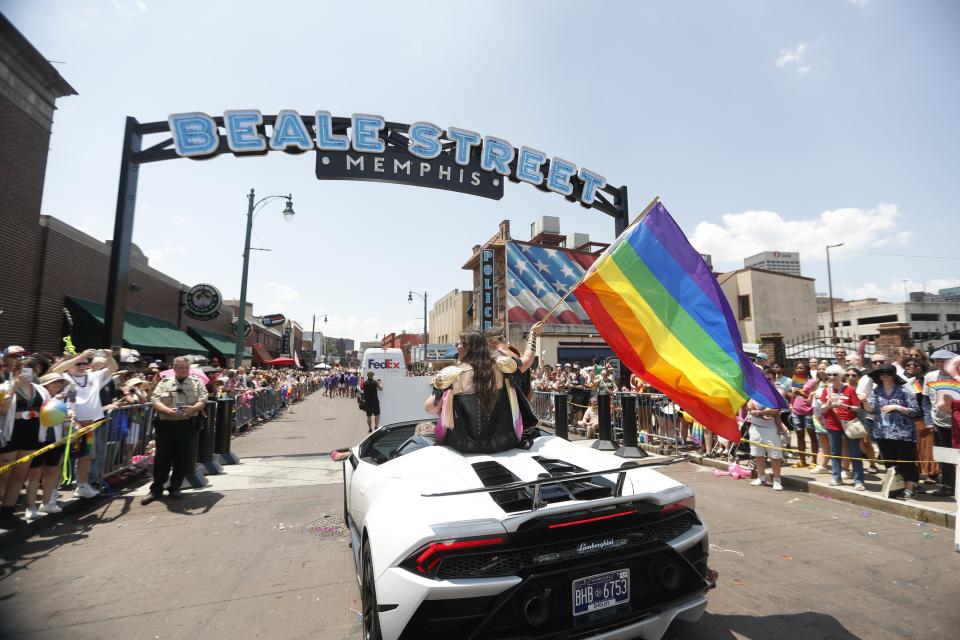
796 57
282 292
750 232
859 3
896 289
130 8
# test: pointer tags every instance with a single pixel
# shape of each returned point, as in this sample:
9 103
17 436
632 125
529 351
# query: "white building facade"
787 262
862 318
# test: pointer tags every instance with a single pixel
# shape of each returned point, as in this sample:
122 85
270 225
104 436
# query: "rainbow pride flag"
656 303
952 386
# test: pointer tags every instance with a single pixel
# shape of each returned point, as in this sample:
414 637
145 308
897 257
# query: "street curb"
932 515
72 507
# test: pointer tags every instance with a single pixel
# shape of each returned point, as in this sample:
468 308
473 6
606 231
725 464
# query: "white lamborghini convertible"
549 542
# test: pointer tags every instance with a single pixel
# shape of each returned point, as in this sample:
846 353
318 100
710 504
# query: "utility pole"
833 324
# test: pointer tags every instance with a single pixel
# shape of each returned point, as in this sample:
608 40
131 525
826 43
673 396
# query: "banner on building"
539 276
486 289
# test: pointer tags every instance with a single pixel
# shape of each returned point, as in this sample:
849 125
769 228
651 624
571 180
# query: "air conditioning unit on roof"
545 224
575 240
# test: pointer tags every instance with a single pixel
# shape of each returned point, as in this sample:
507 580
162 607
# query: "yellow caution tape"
827 455
33 454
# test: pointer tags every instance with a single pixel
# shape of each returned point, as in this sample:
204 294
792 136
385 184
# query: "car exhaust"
534 607
666 573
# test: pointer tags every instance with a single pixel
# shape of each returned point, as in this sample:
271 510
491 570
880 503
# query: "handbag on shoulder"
854 429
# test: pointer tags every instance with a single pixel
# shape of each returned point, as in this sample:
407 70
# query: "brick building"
402 341
29 88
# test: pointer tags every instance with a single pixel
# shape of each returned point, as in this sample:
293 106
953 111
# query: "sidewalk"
258 553
938 511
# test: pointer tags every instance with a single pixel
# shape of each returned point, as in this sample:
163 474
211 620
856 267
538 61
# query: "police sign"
486 289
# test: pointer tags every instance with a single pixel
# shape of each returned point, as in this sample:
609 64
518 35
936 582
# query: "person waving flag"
659 307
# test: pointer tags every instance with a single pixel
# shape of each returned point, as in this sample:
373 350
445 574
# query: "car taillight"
426 560
573 523
686 503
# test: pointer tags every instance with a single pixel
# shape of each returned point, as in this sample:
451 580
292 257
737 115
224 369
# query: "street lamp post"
288 214
833 327
313 335
410 295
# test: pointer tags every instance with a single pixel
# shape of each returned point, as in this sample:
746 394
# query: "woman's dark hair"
476 353
43 363
495 333
914 361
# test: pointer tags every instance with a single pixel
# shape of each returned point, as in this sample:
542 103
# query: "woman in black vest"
476 400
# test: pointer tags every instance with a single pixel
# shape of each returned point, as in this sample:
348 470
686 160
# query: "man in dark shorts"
372 401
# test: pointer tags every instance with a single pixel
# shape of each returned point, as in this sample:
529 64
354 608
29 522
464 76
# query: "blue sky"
761 125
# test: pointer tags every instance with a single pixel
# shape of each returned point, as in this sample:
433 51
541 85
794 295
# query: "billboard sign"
273 319
537 277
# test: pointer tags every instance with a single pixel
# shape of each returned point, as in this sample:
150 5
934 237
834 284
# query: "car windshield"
384 444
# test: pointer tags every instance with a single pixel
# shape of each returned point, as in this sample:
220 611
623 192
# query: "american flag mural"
539 276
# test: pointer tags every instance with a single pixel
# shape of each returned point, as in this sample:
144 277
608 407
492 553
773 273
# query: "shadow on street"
794 626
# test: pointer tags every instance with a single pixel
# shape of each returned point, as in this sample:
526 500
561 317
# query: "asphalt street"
259 554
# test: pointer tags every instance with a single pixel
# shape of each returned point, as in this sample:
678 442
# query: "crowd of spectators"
92 385
901 405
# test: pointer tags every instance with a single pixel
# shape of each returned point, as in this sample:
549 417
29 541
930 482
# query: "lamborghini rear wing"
546 478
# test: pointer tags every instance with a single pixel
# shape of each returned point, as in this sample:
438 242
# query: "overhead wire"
903 255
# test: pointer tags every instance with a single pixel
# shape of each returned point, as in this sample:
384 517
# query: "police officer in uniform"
177 404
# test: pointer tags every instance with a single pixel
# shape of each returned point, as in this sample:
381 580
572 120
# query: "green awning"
214 341
144 333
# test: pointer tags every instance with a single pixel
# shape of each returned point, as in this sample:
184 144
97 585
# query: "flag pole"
643 214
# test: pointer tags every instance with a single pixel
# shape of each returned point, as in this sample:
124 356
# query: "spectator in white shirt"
87 408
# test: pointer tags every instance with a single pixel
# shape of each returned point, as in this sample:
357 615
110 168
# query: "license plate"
601 591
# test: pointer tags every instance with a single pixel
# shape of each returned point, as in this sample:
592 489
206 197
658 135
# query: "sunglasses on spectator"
878 361
832 375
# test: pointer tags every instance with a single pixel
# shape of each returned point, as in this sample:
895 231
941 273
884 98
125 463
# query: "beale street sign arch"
360 147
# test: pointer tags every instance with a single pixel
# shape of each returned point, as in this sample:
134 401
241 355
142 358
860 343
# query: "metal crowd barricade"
243 410
542 404
658 421
268 404
128 432
129 429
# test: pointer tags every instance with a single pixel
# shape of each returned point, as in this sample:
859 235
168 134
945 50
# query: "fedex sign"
387 363
384 363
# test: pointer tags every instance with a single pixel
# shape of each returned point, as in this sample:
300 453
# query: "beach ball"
53 412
